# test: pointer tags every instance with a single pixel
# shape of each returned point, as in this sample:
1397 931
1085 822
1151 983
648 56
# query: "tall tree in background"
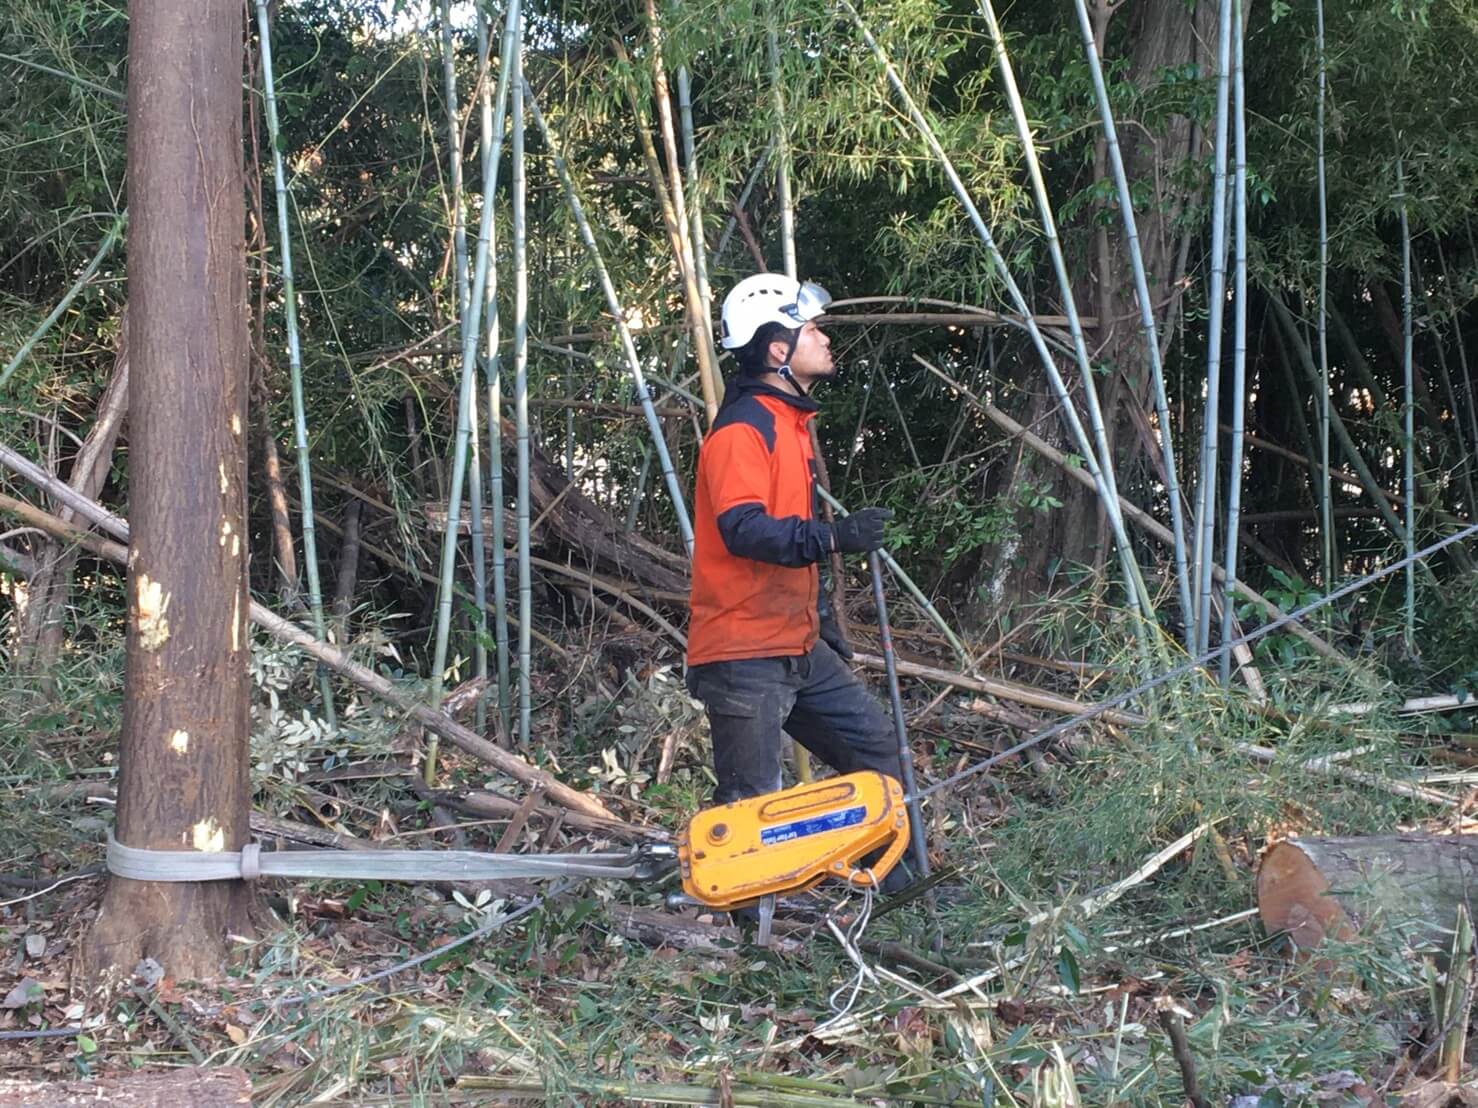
1163 38
183 780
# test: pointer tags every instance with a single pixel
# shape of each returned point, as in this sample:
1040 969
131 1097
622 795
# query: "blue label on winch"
832 821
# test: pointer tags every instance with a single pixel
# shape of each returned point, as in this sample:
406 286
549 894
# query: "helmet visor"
810 301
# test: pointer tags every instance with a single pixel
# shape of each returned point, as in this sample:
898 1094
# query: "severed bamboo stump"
195 1087
1312 888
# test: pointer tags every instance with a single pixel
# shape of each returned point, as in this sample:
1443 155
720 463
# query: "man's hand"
862 531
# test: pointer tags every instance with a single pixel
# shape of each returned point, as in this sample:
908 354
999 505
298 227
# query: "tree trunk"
42 629
183 780
1311 888
348 576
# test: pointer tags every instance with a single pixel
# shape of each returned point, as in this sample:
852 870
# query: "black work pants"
817 700
814 697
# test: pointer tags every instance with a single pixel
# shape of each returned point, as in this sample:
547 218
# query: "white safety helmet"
769 298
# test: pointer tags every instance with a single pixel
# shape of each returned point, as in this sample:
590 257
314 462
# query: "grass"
559 1006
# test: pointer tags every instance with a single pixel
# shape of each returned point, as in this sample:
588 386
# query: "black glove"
832 636
862 531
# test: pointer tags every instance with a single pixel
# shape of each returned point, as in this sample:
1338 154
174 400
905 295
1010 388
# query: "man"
764 653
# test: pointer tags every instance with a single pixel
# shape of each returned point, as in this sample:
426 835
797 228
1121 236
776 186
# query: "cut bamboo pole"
1206 500
618 316
1006 690
294 358
493 131
1326 546
998 261
1146 324
1408 408
521 397
105 248
1139 595
1239 346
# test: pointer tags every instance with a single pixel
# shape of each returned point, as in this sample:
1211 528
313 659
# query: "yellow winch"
789 841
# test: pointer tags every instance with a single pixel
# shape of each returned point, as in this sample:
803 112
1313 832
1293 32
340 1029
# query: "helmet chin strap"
783 369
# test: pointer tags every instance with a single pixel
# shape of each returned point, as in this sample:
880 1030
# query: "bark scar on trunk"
152 602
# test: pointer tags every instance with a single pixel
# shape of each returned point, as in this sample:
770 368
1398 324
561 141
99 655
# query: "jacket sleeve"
737 470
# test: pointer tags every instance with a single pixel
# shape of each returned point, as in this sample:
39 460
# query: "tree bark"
1313 888
183 759
348 575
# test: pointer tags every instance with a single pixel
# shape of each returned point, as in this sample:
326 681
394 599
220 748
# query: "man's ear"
779 350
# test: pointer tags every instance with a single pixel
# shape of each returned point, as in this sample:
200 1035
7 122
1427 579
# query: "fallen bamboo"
487 805
1006 690
284 631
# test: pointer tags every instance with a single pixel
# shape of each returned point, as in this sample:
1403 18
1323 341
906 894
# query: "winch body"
788 841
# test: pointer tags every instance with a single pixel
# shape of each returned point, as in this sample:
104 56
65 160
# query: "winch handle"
875 873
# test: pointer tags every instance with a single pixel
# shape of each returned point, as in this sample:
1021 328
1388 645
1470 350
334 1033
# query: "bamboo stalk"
1408 407
802 756
521 396
493 116
1239 344
673 220
471 333
1134 582
640 492
1206 499
1326 546
782 151
1146 323
695 210
618 316
469 311
685 206
998 261
294 359
739 203
88 273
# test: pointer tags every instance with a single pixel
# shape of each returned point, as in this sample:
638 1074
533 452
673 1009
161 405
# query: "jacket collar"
742 384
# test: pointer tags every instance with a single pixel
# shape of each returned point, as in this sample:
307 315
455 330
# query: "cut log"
1313 888
195 1086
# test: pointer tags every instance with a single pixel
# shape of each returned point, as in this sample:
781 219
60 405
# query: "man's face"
811 360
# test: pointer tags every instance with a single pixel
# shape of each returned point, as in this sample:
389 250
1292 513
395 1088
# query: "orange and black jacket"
756 538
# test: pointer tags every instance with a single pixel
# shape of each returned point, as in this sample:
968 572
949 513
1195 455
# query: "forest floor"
1015 987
